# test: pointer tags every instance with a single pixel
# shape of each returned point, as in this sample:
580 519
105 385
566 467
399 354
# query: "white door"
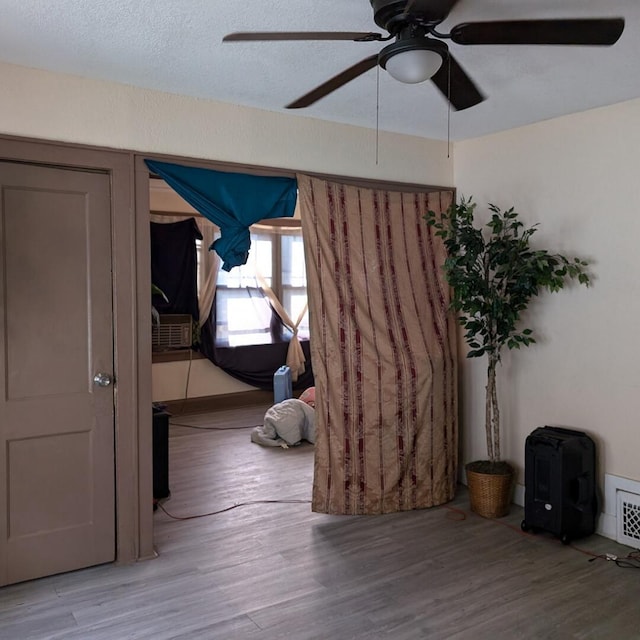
57 464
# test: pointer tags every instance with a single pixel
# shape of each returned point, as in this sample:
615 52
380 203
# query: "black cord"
630 561
377 113
186 386
449 106
192 426
234 506
458 514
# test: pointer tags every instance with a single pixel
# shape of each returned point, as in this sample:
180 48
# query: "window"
243 314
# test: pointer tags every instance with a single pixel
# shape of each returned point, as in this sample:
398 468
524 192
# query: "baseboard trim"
206 404
518 495
607 526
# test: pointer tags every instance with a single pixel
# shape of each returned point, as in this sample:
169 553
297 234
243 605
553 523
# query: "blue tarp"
233 201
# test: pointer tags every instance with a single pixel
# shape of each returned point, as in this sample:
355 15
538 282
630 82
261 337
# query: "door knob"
102 379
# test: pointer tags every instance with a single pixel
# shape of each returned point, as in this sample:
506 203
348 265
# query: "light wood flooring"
267 571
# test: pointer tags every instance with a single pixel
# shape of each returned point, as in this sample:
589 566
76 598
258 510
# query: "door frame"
131 277
132 333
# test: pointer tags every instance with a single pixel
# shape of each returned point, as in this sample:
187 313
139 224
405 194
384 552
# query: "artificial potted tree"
494 273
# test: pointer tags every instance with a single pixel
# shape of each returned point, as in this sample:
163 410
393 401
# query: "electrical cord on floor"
630 561
460 514
518 529
457 515
234 506
186 386
193 426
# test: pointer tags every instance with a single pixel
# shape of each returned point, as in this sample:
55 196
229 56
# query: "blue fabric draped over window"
233 201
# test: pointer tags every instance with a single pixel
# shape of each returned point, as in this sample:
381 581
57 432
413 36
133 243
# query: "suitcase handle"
566 432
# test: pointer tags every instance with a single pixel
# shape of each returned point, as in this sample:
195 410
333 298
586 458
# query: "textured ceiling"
176 46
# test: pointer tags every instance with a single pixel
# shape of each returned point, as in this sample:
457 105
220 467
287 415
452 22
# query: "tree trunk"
488 417
492 413
496 417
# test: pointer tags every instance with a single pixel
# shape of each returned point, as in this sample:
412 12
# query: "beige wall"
578 177
67 108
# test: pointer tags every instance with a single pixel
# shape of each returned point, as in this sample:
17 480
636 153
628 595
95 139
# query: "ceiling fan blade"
335 83
260 36
589 31
456 85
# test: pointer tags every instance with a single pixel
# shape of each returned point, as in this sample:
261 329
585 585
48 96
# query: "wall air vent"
628 519
172 332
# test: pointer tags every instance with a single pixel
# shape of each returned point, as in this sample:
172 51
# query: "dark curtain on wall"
174 266
252 364
233 201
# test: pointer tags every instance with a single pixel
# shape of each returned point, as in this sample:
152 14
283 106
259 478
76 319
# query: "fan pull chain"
377 111
449 106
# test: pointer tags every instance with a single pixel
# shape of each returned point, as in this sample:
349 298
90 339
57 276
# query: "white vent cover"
628 518
172 332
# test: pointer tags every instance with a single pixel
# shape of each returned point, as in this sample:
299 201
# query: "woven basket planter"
489 493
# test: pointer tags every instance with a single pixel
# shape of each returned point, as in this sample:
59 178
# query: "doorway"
75 464
57 432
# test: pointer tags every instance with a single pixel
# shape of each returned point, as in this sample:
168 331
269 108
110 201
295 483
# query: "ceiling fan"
419 53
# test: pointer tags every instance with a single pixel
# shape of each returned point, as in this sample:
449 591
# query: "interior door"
57 464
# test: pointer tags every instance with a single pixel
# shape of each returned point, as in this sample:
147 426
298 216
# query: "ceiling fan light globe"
416 65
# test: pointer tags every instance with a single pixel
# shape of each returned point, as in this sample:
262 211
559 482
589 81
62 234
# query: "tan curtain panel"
383 350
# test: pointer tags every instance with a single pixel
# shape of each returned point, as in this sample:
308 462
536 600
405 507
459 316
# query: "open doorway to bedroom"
234 322
204 459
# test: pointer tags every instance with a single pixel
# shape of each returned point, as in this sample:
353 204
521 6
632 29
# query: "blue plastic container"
282 387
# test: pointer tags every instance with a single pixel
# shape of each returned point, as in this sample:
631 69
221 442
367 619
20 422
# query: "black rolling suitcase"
560 483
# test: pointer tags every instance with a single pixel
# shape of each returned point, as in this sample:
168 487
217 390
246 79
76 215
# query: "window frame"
277 226
276 230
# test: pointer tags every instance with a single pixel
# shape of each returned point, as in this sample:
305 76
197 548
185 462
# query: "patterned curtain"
383 349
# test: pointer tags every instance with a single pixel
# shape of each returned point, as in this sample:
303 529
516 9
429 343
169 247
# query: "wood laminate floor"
270 570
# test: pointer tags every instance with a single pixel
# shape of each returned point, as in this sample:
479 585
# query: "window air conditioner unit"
172 332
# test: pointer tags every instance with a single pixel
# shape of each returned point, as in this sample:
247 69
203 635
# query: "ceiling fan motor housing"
391 16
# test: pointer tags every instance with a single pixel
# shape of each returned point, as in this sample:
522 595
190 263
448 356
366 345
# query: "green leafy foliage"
494 273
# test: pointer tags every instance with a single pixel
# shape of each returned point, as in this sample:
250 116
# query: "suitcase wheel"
526 527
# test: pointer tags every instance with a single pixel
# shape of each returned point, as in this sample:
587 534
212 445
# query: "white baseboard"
518 495
607 526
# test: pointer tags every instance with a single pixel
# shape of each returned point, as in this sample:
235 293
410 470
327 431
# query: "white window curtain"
295 355
209 268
